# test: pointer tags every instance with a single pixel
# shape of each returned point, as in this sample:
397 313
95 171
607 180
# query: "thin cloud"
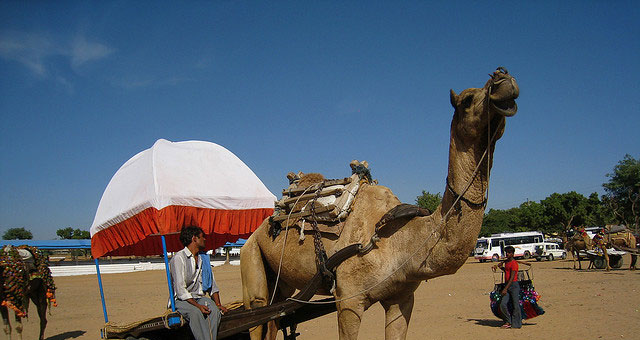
84 51
134 83
33 50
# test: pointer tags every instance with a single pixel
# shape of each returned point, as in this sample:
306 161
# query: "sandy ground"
587 304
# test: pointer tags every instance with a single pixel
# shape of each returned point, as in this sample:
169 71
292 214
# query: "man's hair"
509 249
187 234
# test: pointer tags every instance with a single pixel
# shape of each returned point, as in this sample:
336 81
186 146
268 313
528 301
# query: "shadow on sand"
67 335
494 322
487 322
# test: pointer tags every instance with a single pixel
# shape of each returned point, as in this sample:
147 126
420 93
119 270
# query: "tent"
174 184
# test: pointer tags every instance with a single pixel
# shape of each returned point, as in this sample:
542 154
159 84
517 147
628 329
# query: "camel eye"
466 102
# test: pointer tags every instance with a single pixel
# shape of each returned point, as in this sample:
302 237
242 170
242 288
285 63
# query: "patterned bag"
528 298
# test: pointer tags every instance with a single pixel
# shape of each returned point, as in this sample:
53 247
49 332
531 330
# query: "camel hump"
403 210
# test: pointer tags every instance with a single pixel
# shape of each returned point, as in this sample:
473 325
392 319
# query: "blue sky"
293 86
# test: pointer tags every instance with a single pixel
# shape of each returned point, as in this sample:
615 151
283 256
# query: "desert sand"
586 304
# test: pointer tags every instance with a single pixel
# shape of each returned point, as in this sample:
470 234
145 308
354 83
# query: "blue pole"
104 306
172 320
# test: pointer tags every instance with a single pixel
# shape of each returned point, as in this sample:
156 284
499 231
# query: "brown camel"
575 243
21 281
409 251
623 240
579 241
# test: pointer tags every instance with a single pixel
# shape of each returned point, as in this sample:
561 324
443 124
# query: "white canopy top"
192 173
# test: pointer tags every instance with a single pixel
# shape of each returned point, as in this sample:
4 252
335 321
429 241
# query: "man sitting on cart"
186 268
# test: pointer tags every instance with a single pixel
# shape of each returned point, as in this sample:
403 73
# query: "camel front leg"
5 320
255 290
397 316
606 256
19 326
40 300
349 318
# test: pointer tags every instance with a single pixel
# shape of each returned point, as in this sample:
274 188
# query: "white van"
549 251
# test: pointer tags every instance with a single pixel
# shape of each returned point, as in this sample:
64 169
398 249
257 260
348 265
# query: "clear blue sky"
293 86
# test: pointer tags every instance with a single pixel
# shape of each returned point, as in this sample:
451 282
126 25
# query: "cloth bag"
529 307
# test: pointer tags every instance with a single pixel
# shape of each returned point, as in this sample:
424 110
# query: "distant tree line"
552 215
64 233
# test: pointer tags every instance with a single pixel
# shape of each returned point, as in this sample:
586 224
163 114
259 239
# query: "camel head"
476 107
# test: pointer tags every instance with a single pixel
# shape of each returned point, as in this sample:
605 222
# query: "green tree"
531 216
564 210
73 234
17 234
429 201
500 221
623 192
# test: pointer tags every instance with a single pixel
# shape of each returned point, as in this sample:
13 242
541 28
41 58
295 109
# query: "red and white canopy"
171 185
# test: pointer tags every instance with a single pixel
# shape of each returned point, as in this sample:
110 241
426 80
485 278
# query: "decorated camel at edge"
409 251
30 284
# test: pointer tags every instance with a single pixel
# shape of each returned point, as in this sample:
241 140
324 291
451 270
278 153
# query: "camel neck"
467 170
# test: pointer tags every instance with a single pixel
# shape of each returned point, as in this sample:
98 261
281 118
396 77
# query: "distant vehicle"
492 247
549 251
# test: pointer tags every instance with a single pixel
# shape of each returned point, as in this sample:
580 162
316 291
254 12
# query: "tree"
17 234
73 234
429 201
500 221
565 210
623 192
531 216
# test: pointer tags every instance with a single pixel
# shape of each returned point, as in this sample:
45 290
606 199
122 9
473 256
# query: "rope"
286 234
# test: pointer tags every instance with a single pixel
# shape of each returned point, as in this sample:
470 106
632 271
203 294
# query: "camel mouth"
506 107
503 92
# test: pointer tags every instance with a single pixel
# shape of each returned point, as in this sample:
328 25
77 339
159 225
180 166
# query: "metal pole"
104 306
172 320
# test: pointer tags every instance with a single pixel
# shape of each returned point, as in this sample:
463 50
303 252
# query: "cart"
236 323
598 261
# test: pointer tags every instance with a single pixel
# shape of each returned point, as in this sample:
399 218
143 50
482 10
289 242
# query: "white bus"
492 247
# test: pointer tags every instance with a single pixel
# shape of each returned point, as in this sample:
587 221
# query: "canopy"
172 185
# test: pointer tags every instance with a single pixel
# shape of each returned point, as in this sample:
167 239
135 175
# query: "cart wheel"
550 257
616 261
495 258
599 262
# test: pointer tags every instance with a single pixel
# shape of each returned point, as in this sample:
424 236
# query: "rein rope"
458 198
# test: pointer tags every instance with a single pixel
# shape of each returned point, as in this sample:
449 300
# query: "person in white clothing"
202 312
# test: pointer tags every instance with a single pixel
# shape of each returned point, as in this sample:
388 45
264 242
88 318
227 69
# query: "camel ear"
453 97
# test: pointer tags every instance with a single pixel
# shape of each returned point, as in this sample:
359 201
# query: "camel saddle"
311 199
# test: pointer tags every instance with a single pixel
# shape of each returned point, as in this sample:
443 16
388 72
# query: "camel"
409 250
575 243
624 239
21 281
580 241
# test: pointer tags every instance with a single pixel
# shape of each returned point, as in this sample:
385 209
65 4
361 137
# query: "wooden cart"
235 324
